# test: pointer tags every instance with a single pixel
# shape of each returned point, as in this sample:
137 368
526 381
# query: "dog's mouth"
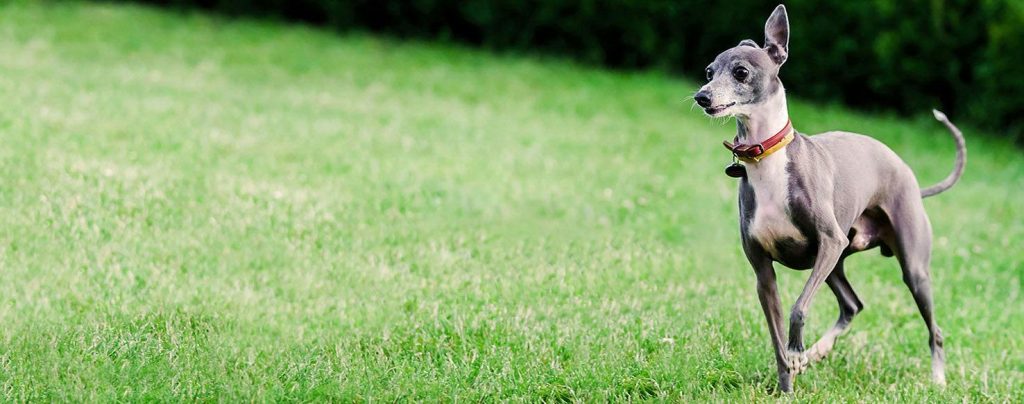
717 109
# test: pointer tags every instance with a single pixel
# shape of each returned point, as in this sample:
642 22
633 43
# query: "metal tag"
736 170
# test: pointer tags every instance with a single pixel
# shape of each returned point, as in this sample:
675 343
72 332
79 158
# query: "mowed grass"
202 209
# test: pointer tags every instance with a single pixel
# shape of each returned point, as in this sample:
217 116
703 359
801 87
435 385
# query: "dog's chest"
771 224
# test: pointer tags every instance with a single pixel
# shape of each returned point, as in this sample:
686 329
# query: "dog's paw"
796 362
939 374
815 353
820 349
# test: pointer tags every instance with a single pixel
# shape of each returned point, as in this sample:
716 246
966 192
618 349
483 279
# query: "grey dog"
808 202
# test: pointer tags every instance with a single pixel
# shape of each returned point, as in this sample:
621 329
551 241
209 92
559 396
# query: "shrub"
958 55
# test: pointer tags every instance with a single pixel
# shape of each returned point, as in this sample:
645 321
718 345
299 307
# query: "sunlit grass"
194 208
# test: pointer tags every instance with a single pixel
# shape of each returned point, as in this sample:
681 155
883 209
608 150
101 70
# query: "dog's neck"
765 120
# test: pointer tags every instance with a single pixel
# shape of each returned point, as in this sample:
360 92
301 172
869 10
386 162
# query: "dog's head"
746 75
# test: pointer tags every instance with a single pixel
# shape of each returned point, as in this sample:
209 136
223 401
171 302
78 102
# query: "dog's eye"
709 73
740 73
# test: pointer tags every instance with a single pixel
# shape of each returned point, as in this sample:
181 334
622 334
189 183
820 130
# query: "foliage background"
962 56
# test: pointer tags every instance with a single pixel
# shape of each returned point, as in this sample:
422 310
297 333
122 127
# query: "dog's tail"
961 159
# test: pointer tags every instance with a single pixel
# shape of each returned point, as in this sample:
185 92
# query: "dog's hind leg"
913 245
849 306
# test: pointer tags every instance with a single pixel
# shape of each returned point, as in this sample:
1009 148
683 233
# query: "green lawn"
195 208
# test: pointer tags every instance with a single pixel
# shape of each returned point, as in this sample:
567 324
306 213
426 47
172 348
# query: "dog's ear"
748 42
776 35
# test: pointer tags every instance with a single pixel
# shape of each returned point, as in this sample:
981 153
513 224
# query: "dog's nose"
703 99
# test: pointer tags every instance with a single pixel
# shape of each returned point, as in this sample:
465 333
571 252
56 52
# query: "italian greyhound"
808 202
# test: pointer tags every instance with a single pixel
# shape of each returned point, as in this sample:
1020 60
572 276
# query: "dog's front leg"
831 247
768 294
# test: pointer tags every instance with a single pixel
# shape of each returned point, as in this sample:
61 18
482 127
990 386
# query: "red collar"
755 152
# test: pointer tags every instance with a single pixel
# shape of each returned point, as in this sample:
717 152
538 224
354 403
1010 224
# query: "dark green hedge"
963 56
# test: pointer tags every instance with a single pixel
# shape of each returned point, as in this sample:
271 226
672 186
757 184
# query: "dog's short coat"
819 199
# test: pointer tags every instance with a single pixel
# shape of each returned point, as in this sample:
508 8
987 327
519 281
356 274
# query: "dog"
808 202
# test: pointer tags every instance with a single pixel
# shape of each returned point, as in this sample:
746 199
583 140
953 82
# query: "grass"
201 209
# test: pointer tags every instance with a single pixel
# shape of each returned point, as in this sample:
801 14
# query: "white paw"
939 375
819 350
796 362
